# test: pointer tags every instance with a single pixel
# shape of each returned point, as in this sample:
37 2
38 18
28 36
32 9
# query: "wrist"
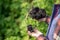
42 37
36 34
39 35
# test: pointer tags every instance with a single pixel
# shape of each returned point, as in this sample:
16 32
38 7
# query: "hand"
55 36
36 33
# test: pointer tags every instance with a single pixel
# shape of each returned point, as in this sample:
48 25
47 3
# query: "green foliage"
14 18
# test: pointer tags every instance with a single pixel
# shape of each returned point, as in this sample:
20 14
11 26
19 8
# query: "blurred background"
14 18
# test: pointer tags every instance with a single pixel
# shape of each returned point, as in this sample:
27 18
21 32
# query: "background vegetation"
14 18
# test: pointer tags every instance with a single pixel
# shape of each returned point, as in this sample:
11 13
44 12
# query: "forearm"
41 37
58 27
57 30
48 20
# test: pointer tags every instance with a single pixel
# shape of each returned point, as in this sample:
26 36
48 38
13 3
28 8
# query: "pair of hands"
37 33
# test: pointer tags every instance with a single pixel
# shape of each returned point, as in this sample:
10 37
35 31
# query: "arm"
41 37
57 29
48 20
37 34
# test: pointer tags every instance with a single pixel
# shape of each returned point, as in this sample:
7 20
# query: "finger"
37 31
29 33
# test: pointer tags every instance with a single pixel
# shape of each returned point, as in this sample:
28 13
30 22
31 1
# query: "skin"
40 38
56 30
45 20
58 27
